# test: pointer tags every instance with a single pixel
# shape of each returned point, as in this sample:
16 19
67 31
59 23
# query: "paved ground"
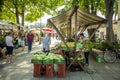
22 69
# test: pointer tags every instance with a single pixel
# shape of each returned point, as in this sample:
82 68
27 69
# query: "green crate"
59 61
48 61
65 48
71 48
36 61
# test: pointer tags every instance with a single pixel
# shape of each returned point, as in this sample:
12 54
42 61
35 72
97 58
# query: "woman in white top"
9 47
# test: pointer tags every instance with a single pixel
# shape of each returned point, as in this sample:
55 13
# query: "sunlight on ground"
107 67
4 62
34 51
0 75
8 78
25 71
23 64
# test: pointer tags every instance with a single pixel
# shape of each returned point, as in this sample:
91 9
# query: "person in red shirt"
30 38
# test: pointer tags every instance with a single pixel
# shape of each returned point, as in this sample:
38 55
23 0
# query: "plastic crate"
65 48
61 71
49 70
37 70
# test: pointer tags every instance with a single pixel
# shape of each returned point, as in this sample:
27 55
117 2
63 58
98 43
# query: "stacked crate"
61 71
49 70
37 70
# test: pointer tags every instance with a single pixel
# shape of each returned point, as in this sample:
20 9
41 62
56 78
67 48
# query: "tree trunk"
17 15
23 16
109 15
1 4
92 6
118 29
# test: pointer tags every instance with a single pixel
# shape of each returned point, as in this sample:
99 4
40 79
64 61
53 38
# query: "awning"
83 18
48 30
6 25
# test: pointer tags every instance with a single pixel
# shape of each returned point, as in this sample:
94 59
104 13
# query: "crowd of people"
12 42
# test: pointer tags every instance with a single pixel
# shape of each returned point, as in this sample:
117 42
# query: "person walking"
9 46
23 41
30 38
46 43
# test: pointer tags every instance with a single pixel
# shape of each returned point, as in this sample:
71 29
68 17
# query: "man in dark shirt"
3 49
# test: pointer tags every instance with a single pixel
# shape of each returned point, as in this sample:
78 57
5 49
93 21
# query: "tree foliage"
32 9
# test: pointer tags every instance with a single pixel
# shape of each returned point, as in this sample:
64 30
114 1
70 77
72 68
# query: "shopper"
23 42
46 43
9 46
30 38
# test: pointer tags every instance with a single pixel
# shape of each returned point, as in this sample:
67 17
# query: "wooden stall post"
81 51
60 35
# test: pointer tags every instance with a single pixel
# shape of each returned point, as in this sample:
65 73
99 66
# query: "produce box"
37 70
49 70
65 48
36 61
48 61
59 61
61 71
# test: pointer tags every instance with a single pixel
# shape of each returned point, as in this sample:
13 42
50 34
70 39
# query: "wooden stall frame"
81 51
76 36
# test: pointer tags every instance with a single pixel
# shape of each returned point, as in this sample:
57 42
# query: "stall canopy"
77 18
48 30
83 18
6 25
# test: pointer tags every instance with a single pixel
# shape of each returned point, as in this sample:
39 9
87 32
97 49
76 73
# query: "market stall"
78 19
75 20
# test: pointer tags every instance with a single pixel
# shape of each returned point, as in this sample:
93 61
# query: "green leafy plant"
88 44
106 45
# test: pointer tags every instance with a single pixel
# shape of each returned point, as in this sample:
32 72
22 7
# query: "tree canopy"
30 9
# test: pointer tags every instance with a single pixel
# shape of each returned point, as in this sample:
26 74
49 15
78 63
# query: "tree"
109 5
31 10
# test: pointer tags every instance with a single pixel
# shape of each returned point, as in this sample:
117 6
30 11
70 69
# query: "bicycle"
111 55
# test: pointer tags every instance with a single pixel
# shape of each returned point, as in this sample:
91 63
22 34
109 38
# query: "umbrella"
48 30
